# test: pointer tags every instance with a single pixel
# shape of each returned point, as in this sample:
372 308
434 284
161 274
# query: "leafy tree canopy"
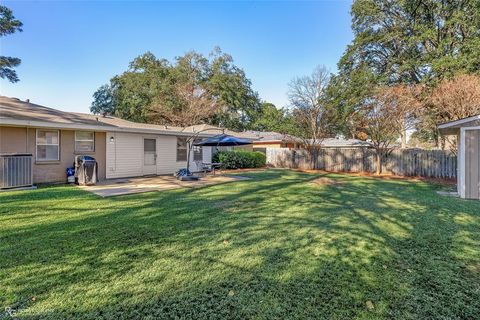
192 89
308 99
9 25
271 118
403 42
414 41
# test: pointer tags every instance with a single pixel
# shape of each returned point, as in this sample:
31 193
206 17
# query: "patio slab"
124 186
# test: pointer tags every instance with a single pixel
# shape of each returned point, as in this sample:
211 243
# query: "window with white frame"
47 145
181 149
197 152
84 141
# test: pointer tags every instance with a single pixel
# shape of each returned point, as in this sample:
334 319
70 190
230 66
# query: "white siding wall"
167 155
207 154
207 157
125 156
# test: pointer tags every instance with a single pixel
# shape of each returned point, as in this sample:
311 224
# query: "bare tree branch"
307 98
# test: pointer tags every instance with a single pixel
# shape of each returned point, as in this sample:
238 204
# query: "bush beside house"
239 159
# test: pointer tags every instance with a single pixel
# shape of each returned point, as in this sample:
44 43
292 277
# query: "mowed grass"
274 247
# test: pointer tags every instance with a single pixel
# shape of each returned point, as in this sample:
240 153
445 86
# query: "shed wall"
472 164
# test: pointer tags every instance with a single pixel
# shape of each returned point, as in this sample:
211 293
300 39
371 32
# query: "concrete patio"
123 186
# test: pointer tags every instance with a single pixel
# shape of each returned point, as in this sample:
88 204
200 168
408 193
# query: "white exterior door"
149 156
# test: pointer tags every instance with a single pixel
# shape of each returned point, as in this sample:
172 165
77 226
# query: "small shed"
468 141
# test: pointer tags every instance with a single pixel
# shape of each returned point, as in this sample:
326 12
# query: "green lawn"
274 247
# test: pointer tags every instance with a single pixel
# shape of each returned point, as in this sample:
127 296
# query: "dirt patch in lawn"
324 181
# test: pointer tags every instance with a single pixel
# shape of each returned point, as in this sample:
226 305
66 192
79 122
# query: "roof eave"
449 131
99 128
458 122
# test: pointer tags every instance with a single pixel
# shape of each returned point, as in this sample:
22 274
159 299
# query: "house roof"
271 136
13 110
16 112
207 128
343 143
275 137
452 127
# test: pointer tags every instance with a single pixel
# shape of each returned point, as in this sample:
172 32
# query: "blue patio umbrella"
222 140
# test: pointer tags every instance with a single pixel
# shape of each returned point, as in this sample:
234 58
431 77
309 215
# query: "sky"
69 49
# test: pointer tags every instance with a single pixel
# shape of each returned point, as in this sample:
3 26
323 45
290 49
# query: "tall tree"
457 98
103 101
405 42
450 99
234 90
382 118
307 97
412 41
193 89
347 94
271 118
407 101
9 25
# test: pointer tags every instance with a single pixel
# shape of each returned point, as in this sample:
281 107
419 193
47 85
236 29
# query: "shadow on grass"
273 247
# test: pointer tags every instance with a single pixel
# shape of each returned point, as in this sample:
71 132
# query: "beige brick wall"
16 139
13 140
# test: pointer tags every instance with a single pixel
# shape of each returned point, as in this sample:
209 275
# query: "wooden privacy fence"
402 162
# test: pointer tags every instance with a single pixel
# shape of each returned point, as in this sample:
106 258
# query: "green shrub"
238 159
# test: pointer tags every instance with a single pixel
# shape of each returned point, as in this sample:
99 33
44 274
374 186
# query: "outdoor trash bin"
71 175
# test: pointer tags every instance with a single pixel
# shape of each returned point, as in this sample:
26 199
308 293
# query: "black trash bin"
85 170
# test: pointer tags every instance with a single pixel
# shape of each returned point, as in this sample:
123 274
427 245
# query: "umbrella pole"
190 141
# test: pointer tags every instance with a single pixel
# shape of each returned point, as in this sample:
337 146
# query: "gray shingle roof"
343 143
17 112
271 136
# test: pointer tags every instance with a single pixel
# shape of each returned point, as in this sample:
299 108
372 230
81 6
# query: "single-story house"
122 148
268 139
262 140
467 131
344 143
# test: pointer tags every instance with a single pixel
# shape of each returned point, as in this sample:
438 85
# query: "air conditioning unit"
16 170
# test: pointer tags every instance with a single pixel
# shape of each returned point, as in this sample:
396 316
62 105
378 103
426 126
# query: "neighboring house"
263 140
468 134
121 148
344 143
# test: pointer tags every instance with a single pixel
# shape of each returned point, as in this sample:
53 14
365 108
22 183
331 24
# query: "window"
47 145
197 152
84 141
181 149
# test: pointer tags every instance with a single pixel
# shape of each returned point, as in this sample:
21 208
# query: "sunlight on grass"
276 246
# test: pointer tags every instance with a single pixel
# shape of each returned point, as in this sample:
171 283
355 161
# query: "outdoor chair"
206 168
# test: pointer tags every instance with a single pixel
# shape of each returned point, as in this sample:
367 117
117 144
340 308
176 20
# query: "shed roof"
453 127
